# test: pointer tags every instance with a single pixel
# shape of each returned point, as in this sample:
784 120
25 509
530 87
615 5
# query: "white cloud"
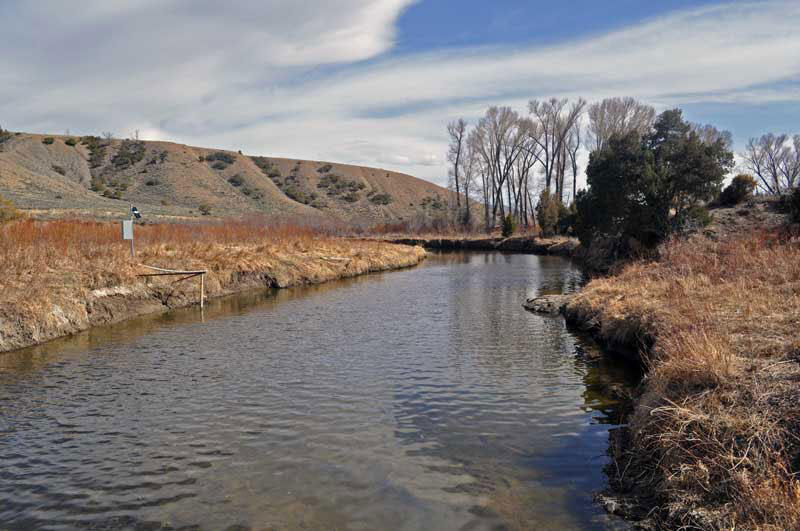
258 76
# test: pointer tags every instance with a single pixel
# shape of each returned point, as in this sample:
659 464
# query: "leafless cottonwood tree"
710 134
470 167
617 116
498 140
555 119
457 130
775 160
573 146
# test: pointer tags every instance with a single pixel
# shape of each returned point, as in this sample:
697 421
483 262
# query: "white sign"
127 229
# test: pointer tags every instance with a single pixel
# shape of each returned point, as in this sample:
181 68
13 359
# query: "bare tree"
555 118
470 168
775 160
573 145
457 131
709 135
618 116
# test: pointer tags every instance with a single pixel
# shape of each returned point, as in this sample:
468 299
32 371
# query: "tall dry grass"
715 438
56 277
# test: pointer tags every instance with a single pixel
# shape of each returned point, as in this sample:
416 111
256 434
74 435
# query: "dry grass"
50 272
714 438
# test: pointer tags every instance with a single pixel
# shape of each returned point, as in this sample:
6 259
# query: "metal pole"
133 251
202 289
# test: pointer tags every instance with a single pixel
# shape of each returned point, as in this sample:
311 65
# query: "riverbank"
557 246
59 278
714 439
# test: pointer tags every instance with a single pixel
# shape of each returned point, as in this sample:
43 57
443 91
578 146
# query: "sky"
375 82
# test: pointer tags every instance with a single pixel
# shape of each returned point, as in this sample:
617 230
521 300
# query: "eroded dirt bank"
57 294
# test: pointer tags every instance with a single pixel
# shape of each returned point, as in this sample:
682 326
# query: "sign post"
127 233
127 228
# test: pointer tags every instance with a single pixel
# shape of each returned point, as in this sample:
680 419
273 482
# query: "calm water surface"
419 399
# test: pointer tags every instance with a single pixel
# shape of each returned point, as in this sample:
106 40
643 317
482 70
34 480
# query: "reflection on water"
420 399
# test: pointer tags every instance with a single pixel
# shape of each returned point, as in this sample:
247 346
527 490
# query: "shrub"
547 213
219 165
325 169
152 182
204 209
567 217
97 149
236 180
71 142
8 212
351 197
129 153
740 189
48 140
221 156
794 205
433 202
380 199
508 226
698 216
59 169
4 135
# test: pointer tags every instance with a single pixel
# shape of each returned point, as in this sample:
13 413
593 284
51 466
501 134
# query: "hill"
53 176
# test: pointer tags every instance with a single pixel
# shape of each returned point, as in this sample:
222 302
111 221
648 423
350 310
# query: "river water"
420 399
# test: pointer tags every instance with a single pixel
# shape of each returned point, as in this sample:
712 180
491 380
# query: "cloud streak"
272 78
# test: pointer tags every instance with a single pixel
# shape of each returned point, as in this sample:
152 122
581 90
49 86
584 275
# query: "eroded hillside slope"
54 176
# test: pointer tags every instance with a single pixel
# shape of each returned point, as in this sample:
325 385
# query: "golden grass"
51 271
715 435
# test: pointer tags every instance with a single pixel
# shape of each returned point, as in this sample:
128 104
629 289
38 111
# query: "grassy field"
59 277
714 442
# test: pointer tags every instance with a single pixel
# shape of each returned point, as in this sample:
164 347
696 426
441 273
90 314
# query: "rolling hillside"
58 176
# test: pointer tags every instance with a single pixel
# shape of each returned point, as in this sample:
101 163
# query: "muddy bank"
68 308
522 244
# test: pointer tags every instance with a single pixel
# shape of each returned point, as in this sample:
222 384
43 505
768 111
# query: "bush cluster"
97 149
433 202
48 140
220 160
380 199
129 153
336 184
740 190
794 205
508 226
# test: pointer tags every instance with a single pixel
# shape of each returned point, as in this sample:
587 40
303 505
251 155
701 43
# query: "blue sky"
440 24
375 82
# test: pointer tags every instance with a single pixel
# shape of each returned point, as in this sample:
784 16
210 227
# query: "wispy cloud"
278 78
